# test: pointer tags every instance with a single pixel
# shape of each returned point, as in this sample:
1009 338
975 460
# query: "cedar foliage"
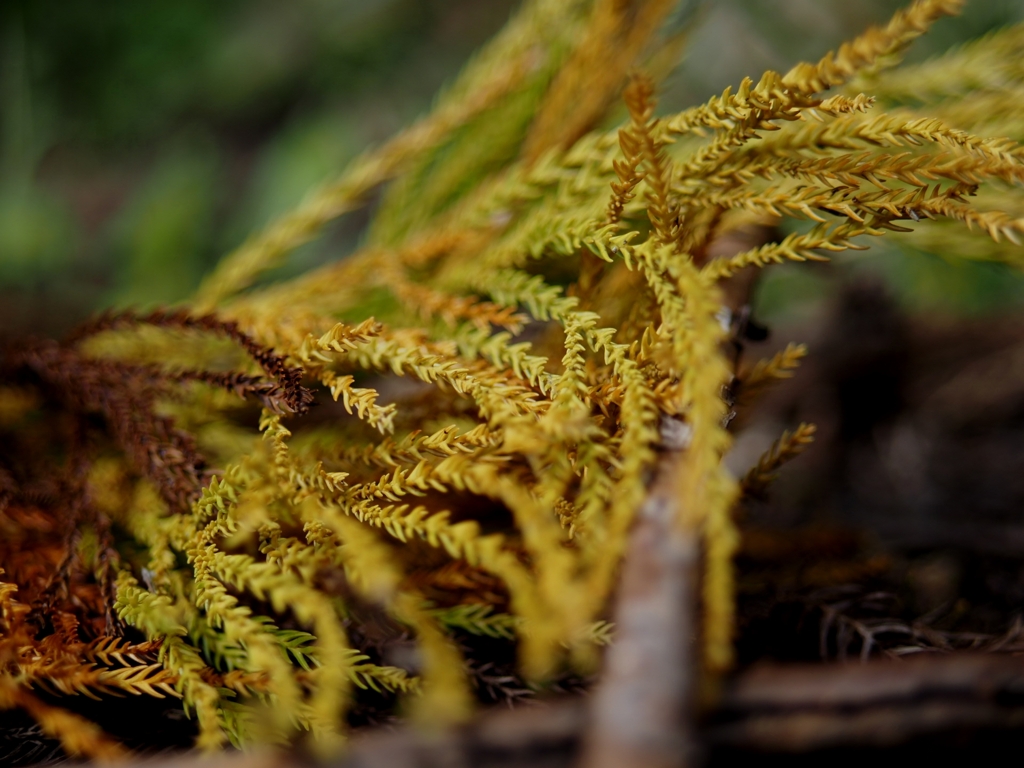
179 521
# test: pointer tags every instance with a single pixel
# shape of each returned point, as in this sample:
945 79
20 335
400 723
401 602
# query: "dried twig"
640 712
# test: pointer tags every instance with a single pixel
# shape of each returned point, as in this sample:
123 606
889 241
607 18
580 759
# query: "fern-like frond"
790 445
767 372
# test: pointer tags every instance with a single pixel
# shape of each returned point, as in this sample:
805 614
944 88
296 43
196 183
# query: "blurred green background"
139 141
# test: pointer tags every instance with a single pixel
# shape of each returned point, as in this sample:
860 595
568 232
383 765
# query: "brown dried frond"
55 665
124 395
755 483
289 396
766 373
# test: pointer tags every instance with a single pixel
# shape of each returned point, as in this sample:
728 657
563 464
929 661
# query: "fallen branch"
641 712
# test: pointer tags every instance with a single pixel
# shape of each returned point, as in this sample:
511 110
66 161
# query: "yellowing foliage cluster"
537 301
